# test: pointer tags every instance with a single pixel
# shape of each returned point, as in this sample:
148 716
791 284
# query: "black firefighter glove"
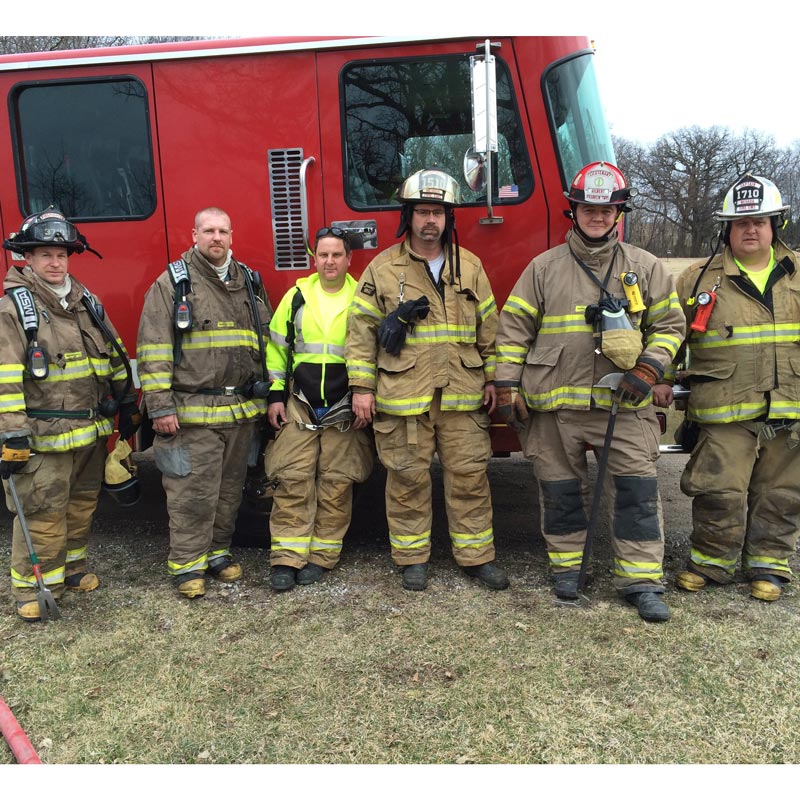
511 407
637 383
16 452
130 418
393 329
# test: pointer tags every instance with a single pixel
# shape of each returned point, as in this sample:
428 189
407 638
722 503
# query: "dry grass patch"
356 670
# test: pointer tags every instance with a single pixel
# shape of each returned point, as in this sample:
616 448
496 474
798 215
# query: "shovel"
44 597
610 381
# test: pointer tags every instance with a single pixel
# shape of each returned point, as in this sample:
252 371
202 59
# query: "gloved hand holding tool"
392 331
511 407
16 452
637 383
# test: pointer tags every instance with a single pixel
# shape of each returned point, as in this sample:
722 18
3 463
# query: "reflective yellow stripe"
404 408
487 307
747 335
519 307
737 413
359 306
466 540
215 415
76 555
198 565
640 570
565 323
12 402
51 578
461 402
572 559
295 544
11 373
75 438
326 545
411 542
766 562
701 559
155 381
148 353
237 337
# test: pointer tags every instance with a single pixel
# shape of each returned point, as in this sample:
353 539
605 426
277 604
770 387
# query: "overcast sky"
661 65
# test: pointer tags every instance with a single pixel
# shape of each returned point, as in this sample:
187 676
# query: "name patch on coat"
368 288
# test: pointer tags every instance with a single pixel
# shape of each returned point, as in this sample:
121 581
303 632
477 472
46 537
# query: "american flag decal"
509 190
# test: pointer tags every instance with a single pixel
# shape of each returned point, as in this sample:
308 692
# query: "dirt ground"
117 531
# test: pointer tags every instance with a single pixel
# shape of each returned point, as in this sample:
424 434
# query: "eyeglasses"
336 232
425 212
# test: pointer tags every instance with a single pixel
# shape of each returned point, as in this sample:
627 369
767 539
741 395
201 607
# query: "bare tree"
40 44
682 179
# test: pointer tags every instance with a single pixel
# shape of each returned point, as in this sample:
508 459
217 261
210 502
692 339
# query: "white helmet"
751 196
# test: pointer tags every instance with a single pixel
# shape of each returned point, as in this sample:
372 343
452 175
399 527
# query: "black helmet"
49 227
126 493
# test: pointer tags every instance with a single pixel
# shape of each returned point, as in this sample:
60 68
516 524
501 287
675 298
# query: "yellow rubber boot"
767 588
227 573
192 584
82 582
690 581
29 610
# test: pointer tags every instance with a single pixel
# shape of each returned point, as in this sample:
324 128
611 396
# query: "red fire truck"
288 135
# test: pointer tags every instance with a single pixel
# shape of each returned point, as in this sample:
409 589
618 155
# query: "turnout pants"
203 472
313 472
557 443
406 446
58 493
746 499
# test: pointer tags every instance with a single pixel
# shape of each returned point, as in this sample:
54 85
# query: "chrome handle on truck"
304 200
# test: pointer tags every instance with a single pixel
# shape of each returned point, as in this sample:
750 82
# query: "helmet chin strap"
606 237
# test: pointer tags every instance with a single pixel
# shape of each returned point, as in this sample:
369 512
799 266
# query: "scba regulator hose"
19 743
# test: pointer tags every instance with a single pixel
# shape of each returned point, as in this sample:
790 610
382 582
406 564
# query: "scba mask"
614 334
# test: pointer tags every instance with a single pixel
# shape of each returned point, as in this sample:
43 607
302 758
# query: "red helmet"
600 183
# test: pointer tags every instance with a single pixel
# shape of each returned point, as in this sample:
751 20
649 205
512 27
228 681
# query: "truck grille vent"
287 208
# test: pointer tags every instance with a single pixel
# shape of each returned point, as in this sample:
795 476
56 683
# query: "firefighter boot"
192 584
766 587
311 573
29 610
82 582
651 606
489 575
690 581
225 569
282 578
415 577
565 585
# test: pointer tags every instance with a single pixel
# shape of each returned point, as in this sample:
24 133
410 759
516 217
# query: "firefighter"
744 472
319 450
421 362
579 313
202 364
65 375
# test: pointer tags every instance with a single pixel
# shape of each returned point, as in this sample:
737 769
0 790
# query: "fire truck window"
85 148
576 115
402 116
